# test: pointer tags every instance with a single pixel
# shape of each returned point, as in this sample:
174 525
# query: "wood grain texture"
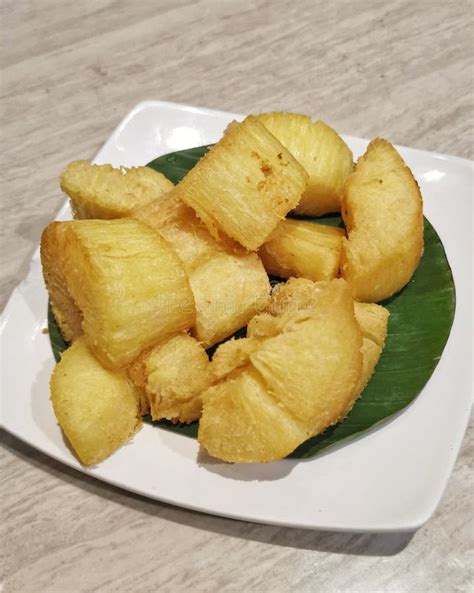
70 71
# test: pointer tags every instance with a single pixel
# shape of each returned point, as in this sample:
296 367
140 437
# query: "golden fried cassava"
303 249
373 321
294 376
228 290
101 191
127 282
172 376
95 407
179 225
229 284
323 154
244 185
170 271
66 312
383 214
242 422
298 294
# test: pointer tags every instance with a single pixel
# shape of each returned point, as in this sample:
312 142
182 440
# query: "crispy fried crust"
126 292
66 312
229 284
137 374
373 322
383 213
299 294
126 281
244 185
229 290
321 151
303 249
171 377
95 407
101 191
291 379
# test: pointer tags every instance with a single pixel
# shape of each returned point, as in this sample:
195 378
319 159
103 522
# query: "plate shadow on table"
258 472
358 544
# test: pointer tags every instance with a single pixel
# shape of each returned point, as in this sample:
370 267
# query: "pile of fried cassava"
149 275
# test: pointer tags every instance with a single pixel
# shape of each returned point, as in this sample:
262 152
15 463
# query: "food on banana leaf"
244 185
323 154
303 249
125 280
158 273
171 377
96 407
229 284
373 322
102 191
299 293
383 214
292 378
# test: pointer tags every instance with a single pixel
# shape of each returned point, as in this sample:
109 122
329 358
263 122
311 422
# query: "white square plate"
388 480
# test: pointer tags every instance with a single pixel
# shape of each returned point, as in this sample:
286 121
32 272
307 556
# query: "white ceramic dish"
389 480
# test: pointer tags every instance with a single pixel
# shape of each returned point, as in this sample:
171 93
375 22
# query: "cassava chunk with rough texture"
298 294
228 290
303 249
180 226
373 322
323 154
102 191
229 284
244 185
383 214
294 376
66 312
96 407
172 376
129 285
242 423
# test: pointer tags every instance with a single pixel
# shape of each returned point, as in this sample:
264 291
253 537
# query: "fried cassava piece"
303 249
298 294
96 407
294 375
323 154
125 281
54 265
171 377
244 185
229 284
265 406
383 214
373 322
102 191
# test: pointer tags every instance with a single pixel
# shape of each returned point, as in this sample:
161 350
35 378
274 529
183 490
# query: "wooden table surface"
71 70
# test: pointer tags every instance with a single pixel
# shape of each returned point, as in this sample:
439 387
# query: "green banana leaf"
421 316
